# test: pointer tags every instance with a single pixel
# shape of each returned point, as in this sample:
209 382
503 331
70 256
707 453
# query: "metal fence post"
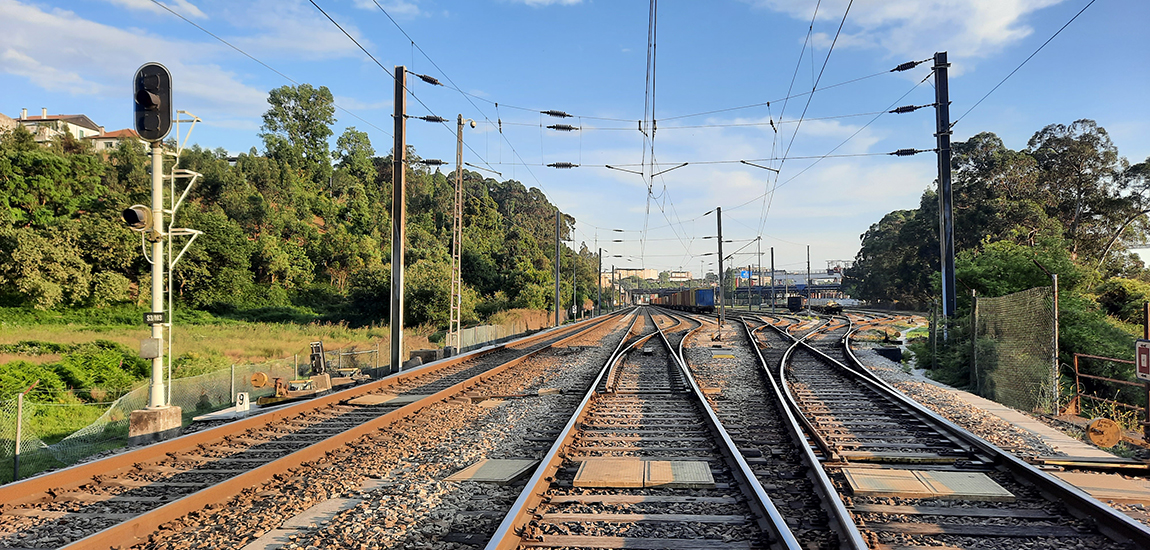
295 365
974 340
933 335
19 436
233 392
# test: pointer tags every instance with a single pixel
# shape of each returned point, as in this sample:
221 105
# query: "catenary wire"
265 65
1000 83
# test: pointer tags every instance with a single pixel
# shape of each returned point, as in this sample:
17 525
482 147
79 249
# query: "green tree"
1077 166
297 126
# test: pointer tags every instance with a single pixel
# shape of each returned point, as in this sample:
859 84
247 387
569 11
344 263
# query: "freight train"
695 300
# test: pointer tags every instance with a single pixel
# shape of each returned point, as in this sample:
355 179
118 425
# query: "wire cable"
1023 63
265 65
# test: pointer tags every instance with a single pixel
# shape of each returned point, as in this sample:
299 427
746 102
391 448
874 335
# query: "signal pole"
722 301
773 297
808 279
599 286
156 389
398 216
945 203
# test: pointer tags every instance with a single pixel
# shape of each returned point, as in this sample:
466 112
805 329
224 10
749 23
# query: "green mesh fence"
194 395
1015 360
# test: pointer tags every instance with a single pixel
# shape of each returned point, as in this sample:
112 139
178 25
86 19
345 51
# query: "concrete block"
150 425
427 355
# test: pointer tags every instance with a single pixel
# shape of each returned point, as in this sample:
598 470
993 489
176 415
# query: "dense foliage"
1067 204
297 230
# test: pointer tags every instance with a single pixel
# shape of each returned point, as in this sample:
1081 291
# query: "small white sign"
1142 359
242 404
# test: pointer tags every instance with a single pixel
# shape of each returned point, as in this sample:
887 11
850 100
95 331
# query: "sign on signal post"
1142 359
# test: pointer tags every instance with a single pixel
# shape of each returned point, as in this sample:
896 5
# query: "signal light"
138 217
152 91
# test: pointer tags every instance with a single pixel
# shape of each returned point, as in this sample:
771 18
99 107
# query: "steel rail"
789 398
138 528
849 535
1110 522
39 487
752 488
506 536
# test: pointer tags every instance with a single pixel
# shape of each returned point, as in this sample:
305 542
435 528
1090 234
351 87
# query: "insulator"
429 79
563 165
904 109
905 66
562 127
432 118
554 113
905 152
432 162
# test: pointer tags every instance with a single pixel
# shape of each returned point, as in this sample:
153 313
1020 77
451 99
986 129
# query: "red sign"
1142 359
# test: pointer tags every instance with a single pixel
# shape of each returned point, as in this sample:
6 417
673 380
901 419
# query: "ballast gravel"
398 473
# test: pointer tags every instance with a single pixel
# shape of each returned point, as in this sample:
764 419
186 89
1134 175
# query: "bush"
109 288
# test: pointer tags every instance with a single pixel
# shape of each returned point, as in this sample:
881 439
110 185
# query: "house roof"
78 120
126 133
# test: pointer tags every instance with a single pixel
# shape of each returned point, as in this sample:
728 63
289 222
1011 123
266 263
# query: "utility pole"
808 279
722 301
773 297
453 324
612 287
156 389
574 280
398 216
599 286
557 257
759 278
945 203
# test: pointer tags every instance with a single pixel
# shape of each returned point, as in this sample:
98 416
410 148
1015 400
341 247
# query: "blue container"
705 297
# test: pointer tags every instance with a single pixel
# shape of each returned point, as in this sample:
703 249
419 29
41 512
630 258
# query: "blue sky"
589 59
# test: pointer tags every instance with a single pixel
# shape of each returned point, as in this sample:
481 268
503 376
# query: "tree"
1077 166
354 154
297 126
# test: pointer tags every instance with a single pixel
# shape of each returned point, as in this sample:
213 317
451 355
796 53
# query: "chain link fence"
1014 353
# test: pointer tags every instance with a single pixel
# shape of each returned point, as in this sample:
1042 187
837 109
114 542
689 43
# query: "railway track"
911 478
644 463
128 497
742 390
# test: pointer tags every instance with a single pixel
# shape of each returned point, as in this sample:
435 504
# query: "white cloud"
183 7
353 104
104 61
538 3
49 78
914 29
396 8
274 29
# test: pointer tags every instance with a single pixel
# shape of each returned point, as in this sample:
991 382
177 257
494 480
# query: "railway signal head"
138 217
152 91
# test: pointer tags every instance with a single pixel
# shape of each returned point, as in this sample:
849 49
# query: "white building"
46 127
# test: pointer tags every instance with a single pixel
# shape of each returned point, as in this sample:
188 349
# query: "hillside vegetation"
1067 204
295 232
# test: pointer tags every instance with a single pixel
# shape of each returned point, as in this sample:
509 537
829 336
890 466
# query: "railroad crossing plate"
722 353
501 470
925 484
636 473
